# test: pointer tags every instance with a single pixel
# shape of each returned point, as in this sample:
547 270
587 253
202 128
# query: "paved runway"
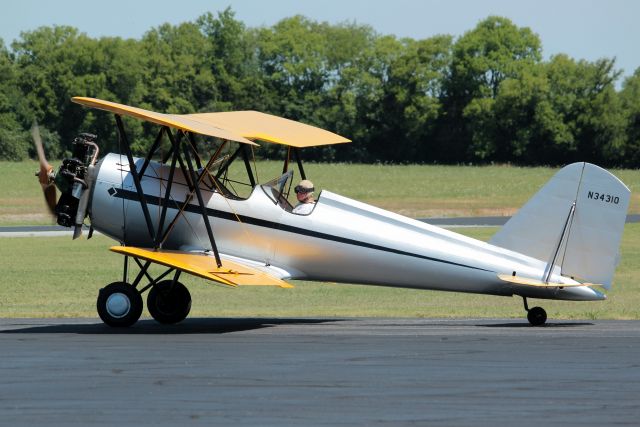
319 372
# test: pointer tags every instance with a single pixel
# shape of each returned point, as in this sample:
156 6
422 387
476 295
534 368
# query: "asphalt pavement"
280 372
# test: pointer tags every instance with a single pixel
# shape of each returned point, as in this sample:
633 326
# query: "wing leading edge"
177 121
232 273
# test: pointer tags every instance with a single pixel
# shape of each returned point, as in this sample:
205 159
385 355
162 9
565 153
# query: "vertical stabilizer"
590 250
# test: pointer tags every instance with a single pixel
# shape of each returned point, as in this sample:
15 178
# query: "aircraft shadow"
527 325
151 327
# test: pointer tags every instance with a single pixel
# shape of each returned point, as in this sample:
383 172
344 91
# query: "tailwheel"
119 304
537 316
169 302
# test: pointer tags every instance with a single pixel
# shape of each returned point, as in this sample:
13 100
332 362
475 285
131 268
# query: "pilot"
304 194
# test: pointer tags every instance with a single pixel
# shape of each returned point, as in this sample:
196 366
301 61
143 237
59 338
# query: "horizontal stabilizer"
232 273
518 280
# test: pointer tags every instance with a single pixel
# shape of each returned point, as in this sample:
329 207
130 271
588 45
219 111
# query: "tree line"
486 96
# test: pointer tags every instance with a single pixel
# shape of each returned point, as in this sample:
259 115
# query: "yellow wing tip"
286 285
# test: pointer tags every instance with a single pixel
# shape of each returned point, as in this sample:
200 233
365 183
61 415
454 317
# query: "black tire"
537 316
169 303
119 304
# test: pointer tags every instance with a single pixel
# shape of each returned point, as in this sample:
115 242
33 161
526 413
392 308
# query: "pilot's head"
304 191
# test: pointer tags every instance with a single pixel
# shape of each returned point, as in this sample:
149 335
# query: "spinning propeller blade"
45 174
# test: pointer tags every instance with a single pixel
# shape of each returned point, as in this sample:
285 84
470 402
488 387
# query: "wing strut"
285 167
152 151
247 164
167 196
192 141
191 177
136 179
296 154
205 217
175 143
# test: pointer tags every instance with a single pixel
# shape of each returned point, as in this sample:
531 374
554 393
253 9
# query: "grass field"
413 190
58 277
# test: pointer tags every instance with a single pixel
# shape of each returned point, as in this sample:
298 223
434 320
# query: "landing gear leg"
536 315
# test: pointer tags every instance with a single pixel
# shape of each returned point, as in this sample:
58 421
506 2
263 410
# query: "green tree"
232 58
486 97
311 72
630 99
122 63
524 119
354 94
482 59
583 95
14 144
57 63
174 76
176 72
354 88
53 63
410 106
293 58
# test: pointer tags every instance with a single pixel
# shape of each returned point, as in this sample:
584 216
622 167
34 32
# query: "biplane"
182 210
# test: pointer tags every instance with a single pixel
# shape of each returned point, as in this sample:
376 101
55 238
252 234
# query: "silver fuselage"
342 240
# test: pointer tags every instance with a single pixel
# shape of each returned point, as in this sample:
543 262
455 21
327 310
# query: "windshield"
278 190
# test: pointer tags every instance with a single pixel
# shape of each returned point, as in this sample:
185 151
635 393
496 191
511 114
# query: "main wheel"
119 304
537 316
169 302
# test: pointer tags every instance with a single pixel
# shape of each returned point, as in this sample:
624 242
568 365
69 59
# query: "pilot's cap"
305 186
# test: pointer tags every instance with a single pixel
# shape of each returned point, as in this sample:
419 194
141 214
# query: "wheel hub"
118 305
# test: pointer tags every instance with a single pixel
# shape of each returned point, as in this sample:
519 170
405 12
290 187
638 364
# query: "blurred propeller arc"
45 174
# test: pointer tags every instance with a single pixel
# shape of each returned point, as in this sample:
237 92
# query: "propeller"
45 174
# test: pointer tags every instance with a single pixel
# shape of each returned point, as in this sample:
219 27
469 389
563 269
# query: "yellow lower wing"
232 273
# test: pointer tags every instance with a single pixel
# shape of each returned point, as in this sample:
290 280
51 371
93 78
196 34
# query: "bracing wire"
206 172
243 227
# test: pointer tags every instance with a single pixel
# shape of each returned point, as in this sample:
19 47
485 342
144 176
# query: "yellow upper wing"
176 121
269 128
232 273
240 126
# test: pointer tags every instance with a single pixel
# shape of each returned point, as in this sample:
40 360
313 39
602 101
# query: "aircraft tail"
575 222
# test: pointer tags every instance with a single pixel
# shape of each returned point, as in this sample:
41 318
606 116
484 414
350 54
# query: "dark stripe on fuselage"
155 200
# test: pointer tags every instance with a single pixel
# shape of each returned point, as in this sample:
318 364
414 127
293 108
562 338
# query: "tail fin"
585 238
